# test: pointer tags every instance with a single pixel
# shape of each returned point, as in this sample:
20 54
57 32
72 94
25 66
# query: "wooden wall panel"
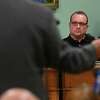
71 81
50 78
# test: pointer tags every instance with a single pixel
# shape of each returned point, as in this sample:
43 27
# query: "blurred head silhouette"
18 94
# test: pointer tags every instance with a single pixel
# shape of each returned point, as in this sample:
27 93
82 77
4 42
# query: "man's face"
78 25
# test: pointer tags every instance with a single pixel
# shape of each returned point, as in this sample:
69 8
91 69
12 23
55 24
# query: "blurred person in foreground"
29 41
78 27
18 94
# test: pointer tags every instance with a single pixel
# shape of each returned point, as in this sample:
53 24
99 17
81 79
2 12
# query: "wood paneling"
69 83
50 78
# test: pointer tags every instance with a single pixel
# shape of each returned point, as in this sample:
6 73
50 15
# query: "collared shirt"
88 39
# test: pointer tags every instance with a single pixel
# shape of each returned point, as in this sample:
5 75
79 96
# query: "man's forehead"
80 17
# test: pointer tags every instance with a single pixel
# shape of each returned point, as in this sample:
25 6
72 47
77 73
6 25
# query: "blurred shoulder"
90 36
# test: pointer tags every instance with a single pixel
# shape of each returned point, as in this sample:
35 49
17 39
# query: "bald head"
18 94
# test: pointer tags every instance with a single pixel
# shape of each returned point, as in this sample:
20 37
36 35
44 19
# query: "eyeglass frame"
78 23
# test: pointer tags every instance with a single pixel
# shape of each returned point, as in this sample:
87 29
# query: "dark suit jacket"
29 41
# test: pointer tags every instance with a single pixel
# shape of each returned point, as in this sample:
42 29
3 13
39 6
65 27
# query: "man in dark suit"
29 41
78 27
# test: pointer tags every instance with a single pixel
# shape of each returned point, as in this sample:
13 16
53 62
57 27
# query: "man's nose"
78 25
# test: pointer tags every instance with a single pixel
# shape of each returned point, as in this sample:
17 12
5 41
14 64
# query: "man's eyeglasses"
78 23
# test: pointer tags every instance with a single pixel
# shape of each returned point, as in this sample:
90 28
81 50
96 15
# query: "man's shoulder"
67 38
90 36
